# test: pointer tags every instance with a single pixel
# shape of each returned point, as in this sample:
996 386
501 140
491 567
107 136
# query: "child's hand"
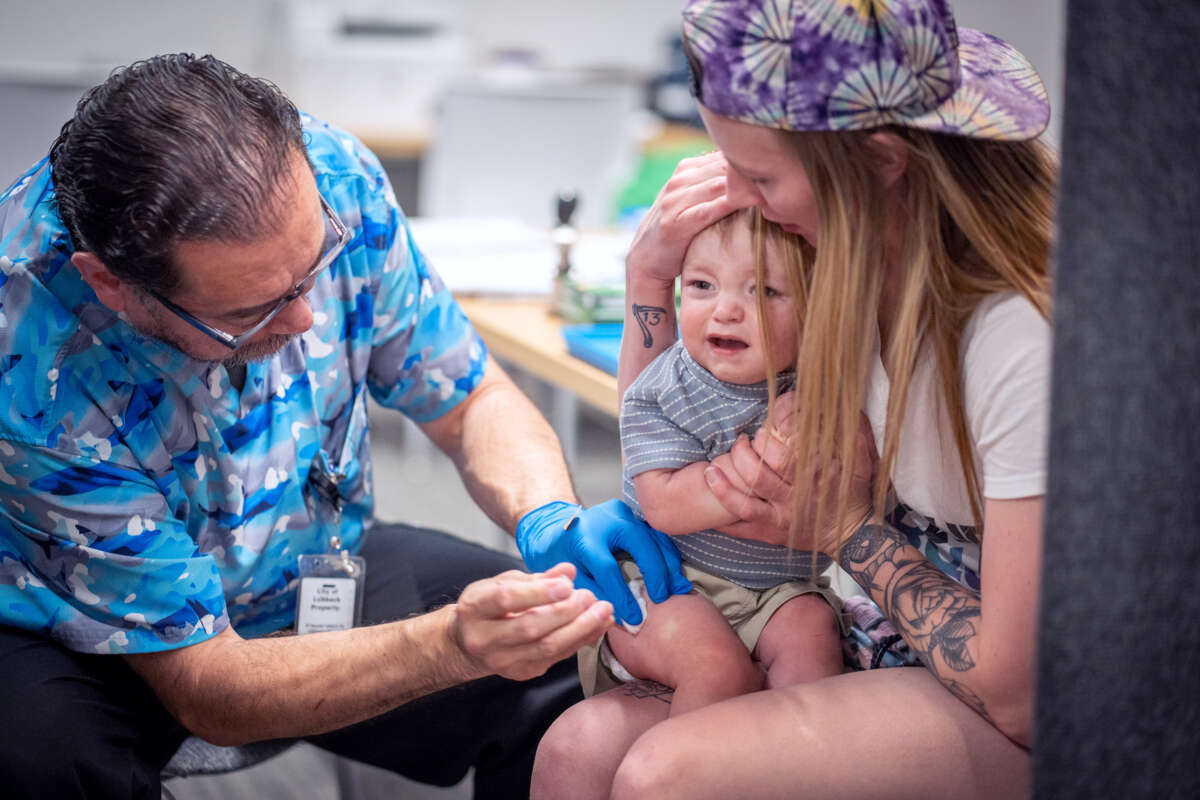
724 462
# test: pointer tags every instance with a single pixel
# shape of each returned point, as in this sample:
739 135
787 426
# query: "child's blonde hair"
978 220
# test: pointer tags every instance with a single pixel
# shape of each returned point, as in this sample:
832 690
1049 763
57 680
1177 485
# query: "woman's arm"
980 645
691 200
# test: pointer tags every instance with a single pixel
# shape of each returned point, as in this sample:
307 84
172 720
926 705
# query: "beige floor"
414 483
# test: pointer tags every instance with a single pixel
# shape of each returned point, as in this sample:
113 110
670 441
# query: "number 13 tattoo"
648 317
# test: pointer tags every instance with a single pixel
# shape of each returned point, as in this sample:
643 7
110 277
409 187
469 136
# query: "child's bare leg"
800 643
686 644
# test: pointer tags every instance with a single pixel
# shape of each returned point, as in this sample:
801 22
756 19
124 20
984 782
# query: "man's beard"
246 354
258 351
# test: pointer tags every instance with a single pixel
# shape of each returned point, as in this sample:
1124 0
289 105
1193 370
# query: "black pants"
75 725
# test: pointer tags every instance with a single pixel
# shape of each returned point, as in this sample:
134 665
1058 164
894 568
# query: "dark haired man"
197 290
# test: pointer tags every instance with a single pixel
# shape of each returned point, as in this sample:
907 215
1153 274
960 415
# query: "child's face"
718 314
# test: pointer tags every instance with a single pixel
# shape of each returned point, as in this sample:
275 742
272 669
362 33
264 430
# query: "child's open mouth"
725 343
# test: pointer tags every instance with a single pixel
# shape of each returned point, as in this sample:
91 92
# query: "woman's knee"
656 766
695 755
555 752
577 751
579 755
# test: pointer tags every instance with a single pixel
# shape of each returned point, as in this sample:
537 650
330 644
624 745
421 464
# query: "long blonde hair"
978 218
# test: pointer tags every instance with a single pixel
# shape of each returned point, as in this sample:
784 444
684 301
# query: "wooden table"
525 333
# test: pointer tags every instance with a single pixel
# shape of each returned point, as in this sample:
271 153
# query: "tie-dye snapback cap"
819 65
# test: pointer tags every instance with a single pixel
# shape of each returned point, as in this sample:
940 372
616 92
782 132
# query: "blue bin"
598 344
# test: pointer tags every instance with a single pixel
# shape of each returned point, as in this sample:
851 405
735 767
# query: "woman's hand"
831 535
756 476
691 200
762 517
755 485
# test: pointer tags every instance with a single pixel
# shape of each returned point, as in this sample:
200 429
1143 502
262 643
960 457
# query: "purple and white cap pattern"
818 65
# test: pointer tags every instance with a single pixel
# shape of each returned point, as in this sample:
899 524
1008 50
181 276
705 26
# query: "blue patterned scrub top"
146 504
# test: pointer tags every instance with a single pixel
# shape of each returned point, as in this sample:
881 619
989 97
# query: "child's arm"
678 501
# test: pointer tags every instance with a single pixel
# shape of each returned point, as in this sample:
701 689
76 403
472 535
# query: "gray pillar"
1119 666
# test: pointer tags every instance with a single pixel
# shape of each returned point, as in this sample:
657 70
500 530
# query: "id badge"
330 597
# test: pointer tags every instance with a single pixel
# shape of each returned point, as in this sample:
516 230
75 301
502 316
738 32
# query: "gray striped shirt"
677 413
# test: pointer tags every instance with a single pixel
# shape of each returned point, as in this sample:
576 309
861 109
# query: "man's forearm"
233 690
229 690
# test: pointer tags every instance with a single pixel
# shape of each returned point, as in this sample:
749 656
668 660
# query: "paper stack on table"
503 256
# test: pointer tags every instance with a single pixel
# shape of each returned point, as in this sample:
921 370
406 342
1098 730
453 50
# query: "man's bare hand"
517 624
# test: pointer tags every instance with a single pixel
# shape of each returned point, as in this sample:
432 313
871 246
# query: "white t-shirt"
1005 358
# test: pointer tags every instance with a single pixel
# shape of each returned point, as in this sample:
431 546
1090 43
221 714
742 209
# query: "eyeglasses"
342 234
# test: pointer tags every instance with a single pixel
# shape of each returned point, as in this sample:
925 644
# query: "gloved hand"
587 538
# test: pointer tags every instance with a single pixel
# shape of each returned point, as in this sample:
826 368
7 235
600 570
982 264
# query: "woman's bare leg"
887 734
579 754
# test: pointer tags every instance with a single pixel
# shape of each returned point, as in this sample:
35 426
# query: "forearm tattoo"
644 689
937 616
648 317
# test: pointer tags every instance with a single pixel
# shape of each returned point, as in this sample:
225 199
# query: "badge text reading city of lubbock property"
330 594
325 604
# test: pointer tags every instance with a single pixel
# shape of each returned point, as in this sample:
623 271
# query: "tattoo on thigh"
648 317
648 689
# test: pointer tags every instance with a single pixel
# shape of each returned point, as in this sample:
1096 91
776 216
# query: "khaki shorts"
746 610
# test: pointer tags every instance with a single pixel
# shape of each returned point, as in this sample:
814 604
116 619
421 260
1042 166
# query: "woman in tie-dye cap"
902 149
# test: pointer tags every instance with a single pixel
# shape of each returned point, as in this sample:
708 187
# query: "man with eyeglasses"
198 288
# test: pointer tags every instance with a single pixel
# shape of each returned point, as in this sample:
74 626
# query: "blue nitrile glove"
587 538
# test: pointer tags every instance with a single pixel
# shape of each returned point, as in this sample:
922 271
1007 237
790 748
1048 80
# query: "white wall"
373 84
85 39
630 34
90 37
63 46
53 50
